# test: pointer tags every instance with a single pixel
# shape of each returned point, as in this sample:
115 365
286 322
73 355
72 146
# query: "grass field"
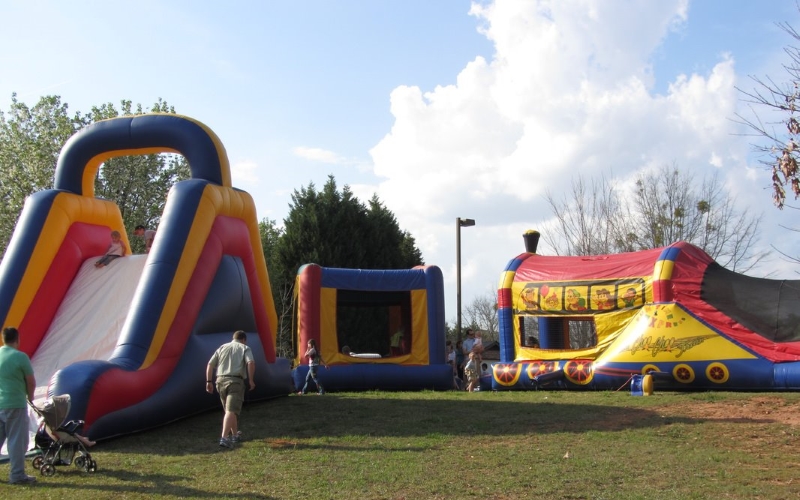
505 445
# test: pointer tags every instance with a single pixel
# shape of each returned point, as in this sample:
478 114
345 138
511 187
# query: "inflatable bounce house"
669 317
129 342
375 329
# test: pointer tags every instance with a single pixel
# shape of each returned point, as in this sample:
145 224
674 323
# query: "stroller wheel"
37 462
47 470
91 466
80 462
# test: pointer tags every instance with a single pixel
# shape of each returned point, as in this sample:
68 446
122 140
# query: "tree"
590 221
481 314
779 146
281 288
335 229
670 209
393 248
138 184
30 142
777 136
664 207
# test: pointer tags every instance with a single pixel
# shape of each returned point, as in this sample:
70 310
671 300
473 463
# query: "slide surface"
89 319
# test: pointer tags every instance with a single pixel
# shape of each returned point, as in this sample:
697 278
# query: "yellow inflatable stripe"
215 201
328 343
91 168
224 164
506 279
67 209
93 165
663 269
419 354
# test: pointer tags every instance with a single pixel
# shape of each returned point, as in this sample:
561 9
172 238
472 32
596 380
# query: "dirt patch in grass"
755 409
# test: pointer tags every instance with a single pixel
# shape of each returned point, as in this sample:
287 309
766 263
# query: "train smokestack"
531 238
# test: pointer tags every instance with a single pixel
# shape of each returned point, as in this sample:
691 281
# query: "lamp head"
466 222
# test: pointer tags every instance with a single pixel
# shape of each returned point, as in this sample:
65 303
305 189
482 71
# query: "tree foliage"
30 141
281 288
481 314
589 220
665 206
334 229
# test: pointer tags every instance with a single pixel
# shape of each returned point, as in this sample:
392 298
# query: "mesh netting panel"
767 307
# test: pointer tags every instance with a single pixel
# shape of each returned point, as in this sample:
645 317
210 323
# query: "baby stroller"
57 439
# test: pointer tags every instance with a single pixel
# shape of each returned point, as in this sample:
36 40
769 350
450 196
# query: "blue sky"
444 109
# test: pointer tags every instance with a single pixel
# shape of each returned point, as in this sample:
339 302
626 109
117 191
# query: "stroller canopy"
54 410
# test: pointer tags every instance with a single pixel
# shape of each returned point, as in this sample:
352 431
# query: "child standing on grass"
115 250
314 360
471 372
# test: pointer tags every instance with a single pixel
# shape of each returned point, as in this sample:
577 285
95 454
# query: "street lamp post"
459 224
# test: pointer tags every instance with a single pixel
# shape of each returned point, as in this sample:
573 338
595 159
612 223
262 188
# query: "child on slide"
115 250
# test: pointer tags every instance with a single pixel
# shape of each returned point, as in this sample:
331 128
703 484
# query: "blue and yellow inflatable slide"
204 278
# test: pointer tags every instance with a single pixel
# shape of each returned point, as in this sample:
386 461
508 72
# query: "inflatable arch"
672 313
204 278
392 321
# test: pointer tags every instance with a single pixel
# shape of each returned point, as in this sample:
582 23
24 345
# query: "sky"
444 109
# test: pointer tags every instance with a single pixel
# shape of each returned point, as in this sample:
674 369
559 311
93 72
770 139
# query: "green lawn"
507 445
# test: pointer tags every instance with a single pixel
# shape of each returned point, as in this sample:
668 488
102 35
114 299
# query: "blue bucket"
636 385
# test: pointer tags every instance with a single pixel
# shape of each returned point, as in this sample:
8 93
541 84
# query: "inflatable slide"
129 342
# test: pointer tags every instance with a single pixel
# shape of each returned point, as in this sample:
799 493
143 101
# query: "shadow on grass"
283 423
148 484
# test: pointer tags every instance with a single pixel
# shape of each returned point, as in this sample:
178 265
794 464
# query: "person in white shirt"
115 250
149 236
469 342
232 363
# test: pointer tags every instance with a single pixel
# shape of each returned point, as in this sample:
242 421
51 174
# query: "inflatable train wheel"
683 373
506 374
537 368
717 373
649 368
579 371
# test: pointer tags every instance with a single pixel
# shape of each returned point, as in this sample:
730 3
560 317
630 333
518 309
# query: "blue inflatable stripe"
18 253
162 265
146 131
435 296
373 280
505 318
517 261
670 253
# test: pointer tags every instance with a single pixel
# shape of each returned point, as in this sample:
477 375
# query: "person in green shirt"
17 384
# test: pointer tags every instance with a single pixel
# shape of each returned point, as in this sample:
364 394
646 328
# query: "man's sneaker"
25 480
226 442
237 438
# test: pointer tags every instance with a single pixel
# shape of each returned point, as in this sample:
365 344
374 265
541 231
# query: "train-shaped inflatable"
671 315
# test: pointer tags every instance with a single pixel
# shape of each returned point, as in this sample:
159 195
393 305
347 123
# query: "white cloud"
568 91
244 173
319 155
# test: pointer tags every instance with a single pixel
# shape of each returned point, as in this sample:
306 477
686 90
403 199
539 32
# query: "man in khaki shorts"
232 362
